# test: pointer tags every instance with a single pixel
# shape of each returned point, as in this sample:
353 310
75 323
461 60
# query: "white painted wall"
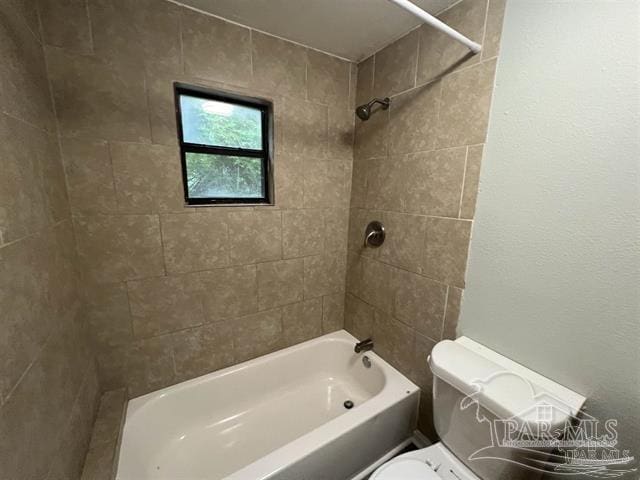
554 272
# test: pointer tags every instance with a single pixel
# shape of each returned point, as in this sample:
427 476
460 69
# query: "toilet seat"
434 462
405 469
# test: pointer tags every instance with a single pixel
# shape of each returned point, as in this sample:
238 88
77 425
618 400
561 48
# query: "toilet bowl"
481 399
431 463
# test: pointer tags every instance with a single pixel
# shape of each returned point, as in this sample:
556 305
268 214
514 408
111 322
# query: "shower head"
364 111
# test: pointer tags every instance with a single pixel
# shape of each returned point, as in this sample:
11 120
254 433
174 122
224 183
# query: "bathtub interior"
214 425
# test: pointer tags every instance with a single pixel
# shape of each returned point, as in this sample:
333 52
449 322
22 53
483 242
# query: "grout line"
145 86
464 179
26 122
181 35
415 77
444 313
484 28
35 233
233 22
125 283
162 247
113 183
251 54
36 357
306 76
90 25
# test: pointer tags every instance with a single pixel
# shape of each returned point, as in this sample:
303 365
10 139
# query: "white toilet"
480 398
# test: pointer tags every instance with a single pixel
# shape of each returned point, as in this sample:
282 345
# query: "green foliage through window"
223 176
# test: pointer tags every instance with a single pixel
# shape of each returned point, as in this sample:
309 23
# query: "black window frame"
265 153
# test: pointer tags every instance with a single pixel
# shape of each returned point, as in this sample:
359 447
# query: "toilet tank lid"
504 387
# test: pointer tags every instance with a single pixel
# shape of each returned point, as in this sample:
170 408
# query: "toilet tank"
495 415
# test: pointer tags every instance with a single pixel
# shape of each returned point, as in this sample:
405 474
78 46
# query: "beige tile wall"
48 381
175 292
416 169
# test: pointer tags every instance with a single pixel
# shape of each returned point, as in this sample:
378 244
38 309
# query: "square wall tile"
289 180
364 85
404 240
144 32
256 236
336 229
361 168
148 178
326 182
89 174
341 132
24 90
201 350
97 99
324 274
302 233
278 66
280 283
23 151
438 53
26 320
164 305
419 302
376 284
302 321
358 317
394 341
446 250
395 66
116 248
39 432
327 79
433 182
66 24
413 117
333 312
305 128
194 242
228 292
371 137
215 49
149 365
465 105
258 334
108 314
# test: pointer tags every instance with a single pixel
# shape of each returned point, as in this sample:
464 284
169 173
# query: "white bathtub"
280 416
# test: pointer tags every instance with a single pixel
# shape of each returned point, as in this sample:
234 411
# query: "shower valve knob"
374 235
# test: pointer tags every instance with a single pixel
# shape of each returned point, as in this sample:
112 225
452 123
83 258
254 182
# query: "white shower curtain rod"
434 22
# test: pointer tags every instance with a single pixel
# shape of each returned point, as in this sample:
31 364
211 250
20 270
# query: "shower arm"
434 22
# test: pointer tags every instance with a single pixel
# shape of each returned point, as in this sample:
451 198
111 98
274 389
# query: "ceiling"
351 29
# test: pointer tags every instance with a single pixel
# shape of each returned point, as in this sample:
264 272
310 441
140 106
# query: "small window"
225 145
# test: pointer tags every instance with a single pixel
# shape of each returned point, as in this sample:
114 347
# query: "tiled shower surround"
174 292
95 238
416 169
